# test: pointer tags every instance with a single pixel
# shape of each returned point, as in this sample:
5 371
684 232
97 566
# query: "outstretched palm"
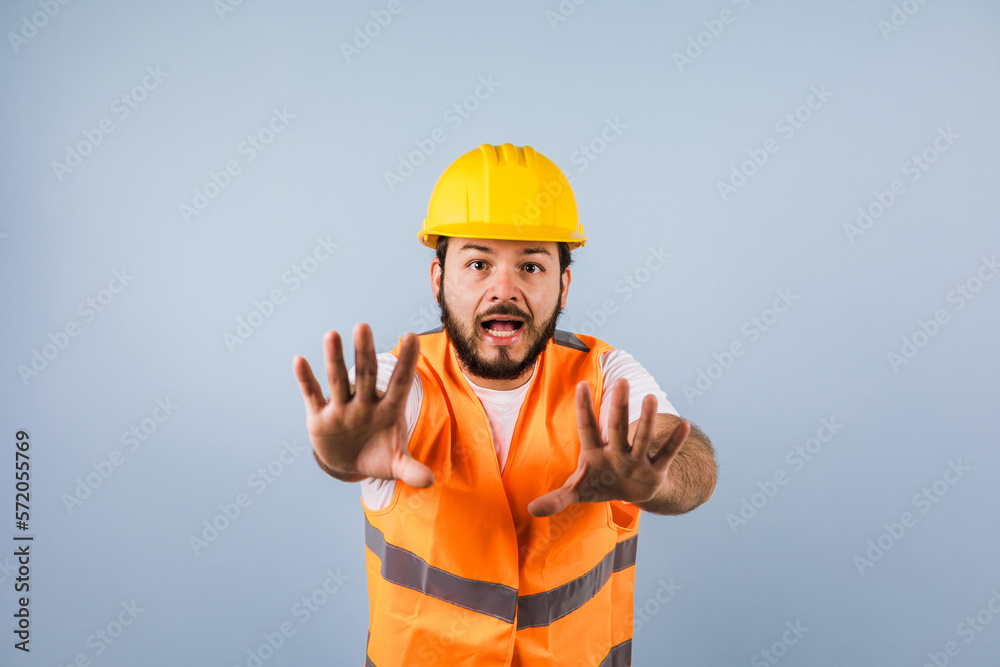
614 470
360 432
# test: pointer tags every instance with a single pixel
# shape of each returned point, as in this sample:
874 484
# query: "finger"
312 392
402 375
586 420
646 427
663 458
366 366
618 416
413 473
552 502
336 370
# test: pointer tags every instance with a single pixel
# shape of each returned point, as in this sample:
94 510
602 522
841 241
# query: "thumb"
552 502
413 473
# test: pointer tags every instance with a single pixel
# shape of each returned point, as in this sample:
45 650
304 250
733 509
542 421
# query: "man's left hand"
616 469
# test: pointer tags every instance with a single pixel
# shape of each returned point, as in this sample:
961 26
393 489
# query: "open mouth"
502 327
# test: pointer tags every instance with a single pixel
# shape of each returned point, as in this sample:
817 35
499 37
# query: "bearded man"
503 462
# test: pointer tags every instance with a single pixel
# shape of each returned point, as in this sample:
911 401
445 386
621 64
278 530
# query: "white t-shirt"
502 408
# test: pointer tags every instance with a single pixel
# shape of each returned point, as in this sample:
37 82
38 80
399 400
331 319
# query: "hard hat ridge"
503 192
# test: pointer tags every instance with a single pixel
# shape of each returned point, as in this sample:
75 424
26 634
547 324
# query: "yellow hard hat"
503 192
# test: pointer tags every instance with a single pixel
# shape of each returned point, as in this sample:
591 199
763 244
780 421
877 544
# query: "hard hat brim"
482 230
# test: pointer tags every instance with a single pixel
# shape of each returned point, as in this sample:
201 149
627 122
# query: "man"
502 464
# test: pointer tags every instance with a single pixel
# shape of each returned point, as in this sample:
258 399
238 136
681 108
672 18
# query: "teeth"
501 334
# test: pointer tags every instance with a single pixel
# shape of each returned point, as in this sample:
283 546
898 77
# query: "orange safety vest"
460 573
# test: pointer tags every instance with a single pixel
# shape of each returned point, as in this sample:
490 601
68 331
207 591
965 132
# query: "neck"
499 385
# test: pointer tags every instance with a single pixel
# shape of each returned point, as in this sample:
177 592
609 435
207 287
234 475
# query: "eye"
478 265
533 268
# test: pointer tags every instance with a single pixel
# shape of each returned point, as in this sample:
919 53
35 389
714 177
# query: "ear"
566 279
436 277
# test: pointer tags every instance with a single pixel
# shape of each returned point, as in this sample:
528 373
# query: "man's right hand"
360 433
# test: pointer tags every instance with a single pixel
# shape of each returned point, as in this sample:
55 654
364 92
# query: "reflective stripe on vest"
544 608
405 568
619 656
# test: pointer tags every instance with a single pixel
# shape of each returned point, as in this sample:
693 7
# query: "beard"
504 367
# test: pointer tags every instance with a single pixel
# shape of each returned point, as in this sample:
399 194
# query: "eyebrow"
489 251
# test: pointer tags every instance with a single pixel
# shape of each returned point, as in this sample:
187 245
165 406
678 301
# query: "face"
499 303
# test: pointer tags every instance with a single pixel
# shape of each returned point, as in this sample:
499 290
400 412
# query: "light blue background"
655 185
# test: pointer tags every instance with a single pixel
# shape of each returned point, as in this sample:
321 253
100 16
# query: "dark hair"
565 258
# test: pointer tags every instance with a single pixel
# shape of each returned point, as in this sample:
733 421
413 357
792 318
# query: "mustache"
504 309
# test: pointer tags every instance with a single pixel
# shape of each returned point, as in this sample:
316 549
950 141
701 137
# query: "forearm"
691 478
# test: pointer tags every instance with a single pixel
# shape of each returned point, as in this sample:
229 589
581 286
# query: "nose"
503 285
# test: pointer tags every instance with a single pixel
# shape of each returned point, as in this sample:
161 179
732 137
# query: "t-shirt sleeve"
617 364
376 493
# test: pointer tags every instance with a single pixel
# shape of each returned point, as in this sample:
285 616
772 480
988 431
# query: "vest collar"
454 369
